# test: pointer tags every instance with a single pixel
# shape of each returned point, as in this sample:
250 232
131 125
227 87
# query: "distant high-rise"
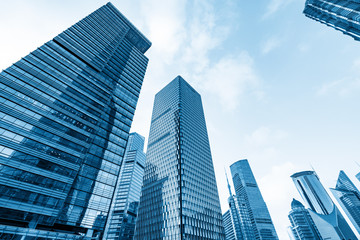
179 196
358 176
228 226
348 196
343 15
123 212
254 216
326 216
65 115
302 226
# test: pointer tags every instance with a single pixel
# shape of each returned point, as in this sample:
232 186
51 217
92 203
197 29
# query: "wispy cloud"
271 44
274 6
229 78
345 86
263 136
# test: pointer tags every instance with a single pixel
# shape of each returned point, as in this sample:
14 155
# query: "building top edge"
122 17
303 173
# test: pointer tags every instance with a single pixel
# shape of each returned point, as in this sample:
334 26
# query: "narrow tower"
179 196
122 216
254 214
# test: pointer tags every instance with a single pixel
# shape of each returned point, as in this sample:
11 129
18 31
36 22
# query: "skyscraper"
252 207
179 196
65 114
228 226
241 218
348 196
302 225
122 217
342 15
327 218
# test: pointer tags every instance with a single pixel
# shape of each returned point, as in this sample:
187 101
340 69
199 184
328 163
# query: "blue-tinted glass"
65 115
179 197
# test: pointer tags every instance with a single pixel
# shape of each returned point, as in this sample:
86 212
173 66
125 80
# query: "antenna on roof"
228 182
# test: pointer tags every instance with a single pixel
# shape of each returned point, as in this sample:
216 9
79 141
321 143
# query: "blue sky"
278 88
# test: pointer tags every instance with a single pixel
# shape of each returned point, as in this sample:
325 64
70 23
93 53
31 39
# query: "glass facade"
179 196
121 222
255 220
228 226
65 115
342 15
326 216
348 196
302 225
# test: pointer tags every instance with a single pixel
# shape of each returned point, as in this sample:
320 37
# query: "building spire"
228 182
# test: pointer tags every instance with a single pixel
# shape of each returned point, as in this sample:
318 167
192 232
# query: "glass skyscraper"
343 15
65 115
302 225
122 217
228 226
326 216
254 216
179 195
348 196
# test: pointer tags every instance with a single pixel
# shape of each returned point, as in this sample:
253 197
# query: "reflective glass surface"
254 218
228 226
348 196
302 225
339 14
326 216
122 217
179 196
65 115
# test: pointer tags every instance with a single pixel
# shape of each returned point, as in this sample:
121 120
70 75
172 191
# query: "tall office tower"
302 225
253 209
228 226
65 115
343 15
348 196
122 217
241 217
179 197
327 218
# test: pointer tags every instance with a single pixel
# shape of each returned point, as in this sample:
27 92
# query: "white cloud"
271 44
165 26
264 136
229 78
274 6
203 36
343 87
303 47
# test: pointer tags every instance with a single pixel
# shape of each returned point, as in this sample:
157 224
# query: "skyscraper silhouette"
122 217
302 225
179 196
348 196
255 220
338 14
326 216
65 115
228 226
